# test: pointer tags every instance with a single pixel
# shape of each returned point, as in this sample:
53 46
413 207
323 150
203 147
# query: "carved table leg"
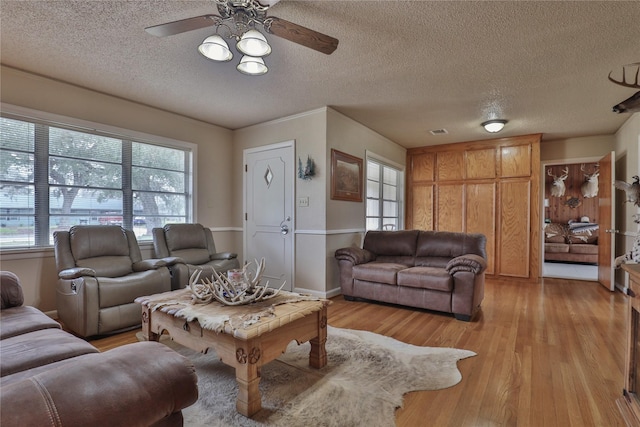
146 325
248 378
318 353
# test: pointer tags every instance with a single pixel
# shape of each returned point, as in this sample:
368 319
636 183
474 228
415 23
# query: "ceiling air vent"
438 132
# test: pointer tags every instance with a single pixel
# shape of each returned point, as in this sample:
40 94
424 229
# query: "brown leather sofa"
434 270
52 378
100 274
562 244
193 244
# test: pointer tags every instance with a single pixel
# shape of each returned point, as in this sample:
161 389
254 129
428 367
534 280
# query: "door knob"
284 228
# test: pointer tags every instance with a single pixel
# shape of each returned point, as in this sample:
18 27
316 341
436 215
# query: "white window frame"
371 156
55 120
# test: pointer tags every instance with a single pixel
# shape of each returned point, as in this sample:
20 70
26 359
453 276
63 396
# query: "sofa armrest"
470 262
223 255
136 384
74 273
149 264
355 255
172 260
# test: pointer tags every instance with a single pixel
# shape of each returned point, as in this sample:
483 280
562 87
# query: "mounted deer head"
558 188
631 104
590 187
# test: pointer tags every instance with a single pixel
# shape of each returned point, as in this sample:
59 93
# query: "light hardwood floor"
548 354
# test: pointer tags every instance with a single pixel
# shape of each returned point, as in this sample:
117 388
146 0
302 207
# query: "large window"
53 177
384 195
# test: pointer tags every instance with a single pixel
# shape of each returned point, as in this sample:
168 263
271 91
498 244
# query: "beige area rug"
362 385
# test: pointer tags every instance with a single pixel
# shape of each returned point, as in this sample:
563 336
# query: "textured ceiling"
402 68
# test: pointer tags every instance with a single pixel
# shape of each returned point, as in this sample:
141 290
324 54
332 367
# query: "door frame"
543 167
285 144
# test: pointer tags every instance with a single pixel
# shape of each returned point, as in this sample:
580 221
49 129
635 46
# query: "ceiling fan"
236 17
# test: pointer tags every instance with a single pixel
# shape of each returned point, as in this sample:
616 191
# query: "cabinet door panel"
422 207
480 163
515 161
450 165
480 216
423 167
450 199
514 228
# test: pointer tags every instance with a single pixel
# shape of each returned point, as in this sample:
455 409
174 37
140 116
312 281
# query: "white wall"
627 147
325 225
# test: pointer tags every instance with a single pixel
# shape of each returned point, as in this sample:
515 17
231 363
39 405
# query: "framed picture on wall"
346 177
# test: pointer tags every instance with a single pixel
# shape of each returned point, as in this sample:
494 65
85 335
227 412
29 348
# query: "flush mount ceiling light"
493 126
238 20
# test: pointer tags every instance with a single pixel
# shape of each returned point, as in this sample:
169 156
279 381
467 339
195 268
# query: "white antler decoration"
230 292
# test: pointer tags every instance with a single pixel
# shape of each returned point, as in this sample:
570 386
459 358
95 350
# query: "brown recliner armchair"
100 273
194 245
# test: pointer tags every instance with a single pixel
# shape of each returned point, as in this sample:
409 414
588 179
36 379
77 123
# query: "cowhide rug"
362 385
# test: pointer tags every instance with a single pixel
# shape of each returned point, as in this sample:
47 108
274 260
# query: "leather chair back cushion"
105 249
392 243
185 236
192 256
447 244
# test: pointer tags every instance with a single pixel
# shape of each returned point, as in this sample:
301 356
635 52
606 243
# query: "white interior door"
269 210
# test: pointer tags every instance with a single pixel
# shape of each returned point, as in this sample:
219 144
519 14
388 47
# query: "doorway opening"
570 212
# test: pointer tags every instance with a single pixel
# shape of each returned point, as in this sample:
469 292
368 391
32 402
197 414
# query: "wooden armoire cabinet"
490 187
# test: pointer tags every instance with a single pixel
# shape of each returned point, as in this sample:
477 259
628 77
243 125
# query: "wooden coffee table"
245 347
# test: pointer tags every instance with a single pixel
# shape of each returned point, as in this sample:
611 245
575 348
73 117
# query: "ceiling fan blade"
182 26
301 35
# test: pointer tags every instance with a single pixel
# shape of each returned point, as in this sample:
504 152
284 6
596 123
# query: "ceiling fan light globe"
253 43
252 66
493 126
215 48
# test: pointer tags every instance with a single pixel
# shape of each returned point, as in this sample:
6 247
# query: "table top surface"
241 321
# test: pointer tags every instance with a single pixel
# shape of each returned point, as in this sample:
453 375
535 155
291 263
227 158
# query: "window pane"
16 166
390 224
84 173
78 206
390 176
389 192
17 216
16 134
146 179
68 143
373 224
153 156
157 204
373 171
373 189
389 208
373 207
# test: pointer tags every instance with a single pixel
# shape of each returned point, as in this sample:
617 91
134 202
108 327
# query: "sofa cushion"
380 272
426 278
554 239
21 320
38 348
98 241
583 249
391 243
556 248
447 245
116 291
